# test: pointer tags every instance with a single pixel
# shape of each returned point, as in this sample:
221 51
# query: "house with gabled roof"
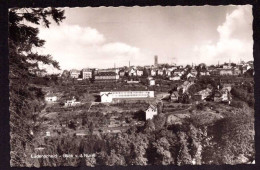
153 72
74 73
51 97
139 72
175 96
151 111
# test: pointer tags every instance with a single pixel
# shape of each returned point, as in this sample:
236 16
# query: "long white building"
110 95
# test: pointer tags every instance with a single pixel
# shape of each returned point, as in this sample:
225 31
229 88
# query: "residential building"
174 96
226 66
151 112
122 73
185 86
178 72
50 97
191 75
74 73
71 102
175 78
160 72
153 72
132 72
86 74
172 68
236 71
226 96
111 96
202 95
168 72
139 72
204 73
151 82
245 68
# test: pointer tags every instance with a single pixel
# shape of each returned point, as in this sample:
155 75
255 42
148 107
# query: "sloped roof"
175 93
50 95
74 71
86 69
106 74
152 106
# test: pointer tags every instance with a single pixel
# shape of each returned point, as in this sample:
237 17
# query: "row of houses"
219 95
173 72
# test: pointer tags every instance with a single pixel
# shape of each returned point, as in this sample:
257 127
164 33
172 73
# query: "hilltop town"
116 101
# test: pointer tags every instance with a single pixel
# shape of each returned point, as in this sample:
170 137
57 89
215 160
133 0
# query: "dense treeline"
244 92
26 98
227 141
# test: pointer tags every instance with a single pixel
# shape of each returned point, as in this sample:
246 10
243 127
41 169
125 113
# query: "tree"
184 157
163 155
24 67
65 74
149 126
159 121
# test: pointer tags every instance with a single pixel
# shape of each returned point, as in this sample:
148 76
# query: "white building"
160 72
132 72
74 73
139 72
153 72
175 78
190 75
72 102
132 82
86 73
151 82
168 72
185 86
48 133
51 98
204 73
151 112
109 96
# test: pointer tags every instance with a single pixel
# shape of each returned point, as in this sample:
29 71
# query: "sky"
102 37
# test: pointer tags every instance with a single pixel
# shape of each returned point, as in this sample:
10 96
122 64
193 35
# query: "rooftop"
106 74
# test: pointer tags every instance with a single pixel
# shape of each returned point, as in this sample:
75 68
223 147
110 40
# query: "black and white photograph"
124 86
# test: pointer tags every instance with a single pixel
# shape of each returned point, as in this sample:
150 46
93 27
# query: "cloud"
119 48
78 47
73 34
235 39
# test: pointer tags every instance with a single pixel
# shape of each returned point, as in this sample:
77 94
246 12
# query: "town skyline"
207 35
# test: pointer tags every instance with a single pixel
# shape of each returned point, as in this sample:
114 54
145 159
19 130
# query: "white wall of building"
150 113
109 96
51 99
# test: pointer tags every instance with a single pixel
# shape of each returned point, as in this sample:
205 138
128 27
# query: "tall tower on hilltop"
156 60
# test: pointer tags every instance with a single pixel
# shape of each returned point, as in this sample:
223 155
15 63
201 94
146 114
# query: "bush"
237 104
200 106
